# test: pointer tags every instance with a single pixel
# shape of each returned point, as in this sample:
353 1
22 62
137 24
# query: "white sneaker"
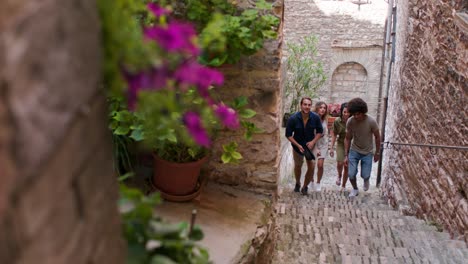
311 186
353 193
366 185
318 188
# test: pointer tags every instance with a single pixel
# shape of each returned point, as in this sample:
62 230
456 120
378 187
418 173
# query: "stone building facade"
58 194
350 45
258 78
428 105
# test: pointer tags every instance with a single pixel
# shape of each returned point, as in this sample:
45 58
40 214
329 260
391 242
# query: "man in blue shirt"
303 130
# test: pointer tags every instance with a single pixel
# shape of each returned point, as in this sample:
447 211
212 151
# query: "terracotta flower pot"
330 121
176 178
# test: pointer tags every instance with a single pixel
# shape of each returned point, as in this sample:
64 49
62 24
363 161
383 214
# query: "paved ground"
327 227
229 218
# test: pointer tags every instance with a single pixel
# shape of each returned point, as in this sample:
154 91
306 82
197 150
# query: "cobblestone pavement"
327 227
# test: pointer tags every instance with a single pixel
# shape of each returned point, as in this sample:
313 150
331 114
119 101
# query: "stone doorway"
349 80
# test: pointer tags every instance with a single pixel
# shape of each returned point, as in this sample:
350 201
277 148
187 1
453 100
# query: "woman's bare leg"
345 177
319 170
339 168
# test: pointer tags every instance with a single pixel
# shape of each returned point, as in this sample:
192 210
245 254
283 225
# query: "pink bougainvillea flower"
135 83
227 115
159 77
157 10
155 78
176 37
195 128
208 77
334 109
192 73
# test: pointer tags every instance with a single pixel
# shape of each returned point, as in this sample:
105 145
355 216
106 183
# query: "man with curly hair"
359 146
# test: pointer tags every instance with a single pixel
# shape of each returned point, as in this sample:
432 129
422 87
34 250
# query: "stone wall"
57 190
258 78
428 105
346 35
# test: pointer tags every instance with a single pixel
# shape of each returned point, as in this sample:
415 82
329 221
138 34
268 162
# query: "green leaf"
240 102
244 32
261 4
247 113
114 124
161 259
226 158
123 116
137 135
122 130
232 146
136 254
197 234
248 135
270 20
126 176
236 155
130 193
172 138
204 253
166 230
218 60
257 130
250 44
250 14
269 34
247 124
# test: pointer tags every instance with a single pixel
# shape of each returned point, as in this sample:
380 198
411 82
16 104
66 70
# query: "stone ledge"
235 222
356 44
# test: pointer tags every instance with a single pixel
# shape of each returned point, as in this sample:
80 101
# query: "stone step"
378 243
371 225
327 227
342 253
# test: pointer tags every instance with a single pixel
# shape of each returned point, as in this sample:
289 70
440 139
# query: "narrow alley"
327 227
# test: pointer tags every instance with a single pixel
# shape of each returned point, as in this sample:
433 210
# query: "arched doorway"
349 80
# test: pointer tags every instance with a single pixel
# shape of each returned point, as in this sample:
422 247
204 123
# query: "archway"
349 80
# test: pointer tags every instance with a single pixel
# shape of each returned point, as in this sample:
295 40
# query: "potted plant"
173 96
149 239
304 74
181 146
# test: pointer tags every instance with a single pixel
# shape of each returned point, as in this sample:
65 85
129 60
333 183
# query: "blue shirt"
302 135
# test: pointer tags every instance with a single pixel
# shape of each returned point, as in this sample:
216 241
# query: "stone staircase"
327 227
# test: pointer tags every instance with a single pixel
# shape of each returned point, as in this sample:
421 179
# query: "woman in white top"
321 147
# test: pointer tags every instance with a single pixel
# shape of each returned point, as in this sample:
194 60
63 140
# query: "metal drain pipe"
390 33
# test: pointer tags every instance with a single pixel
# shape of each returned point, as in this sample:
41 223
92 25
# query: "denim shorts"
366 164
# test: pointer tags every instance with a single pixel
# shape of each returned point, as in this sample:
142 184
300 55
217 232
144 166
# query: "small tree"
305 72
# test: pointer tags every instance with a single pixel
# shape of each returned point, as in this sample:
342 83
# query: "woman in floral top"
339 131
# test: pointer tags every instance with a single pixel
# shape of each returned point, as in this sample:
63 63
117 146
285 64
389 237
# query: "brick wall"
258 78
57 190
427 105
346 35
